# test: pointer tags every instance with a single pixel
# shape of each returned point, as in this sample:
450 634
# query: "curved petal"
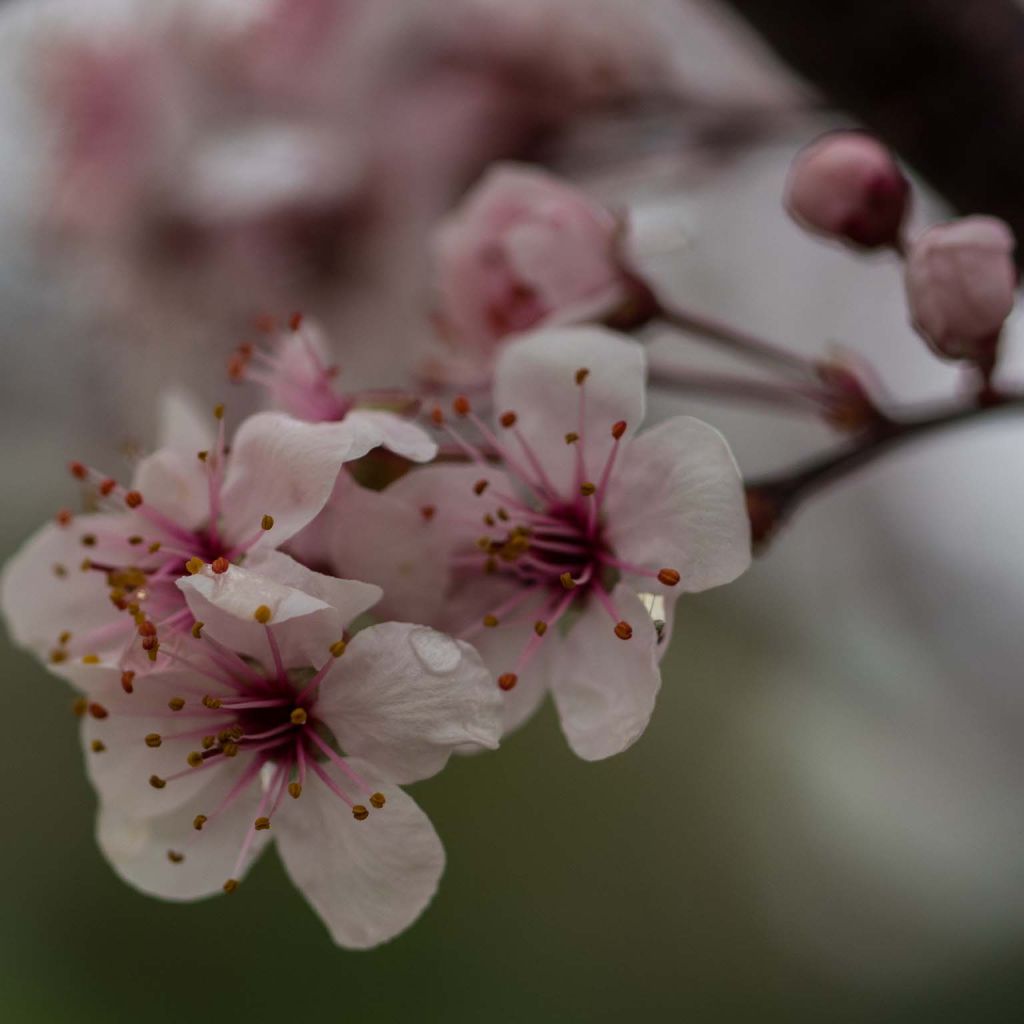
604 687
43 591
304 623
677 502
285 468
368 880
536 378
376 427
404 697
183 426
138 848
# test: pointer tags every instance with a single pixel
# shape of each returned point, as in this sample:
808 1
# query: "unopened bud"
961 286
848 186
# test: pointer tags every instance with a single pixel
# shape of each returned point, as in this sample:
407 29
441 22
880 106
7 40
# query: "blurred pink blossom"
962 285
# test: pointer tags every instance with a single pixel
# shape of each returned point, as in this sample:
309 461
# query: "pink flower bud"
524 249
847 185
961 283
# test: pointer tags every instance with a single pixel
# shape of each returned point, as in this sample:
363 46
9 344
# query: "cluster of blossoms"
270 637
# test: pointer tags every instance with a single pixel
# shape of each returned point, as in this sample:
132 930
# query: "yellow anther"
230 885
377 799
218 411
64 637
262 614
338 648
80 706
154 547
587 489
540 627
176 703
582 374
153 739
230 749
267 523
572 437
197 629
208 741
199 821
203 455
294 790
57 656
360 813
567 581
175 857
156 782
90 659
490 621
262 824
195 759
480 486
194 565
60 571
299 716
236 732
98 746
211 702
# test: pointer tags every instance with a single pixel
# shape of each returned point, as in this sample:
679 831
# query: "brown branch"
772 500
942 81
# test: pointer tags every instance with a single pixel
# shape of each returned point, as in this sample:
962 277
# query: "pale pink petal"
284 468
43 590
183 426
375 428
604 687
368 880
677 502
535 378
402 538
305 622
175 483
137 848
404 697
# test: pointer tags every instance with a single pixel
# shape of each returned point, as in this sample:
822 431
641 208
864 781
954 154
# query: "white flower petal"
137 848
404 697
175 483
535 378
368 880
377 428
285 468
604 687
39 604
303 622
676 501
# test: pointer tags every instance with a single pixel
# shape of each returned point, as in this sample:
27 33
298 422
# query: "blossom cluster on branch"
271 633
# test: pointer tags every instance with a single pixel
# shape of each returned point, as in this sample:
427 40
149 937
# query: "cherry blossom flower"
561 566
105 581
525 249
193 765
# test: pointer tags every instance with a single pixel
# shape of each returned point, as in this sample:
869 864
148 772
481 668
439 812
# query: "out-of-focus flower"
86 585
193 767
525 249
296 370
962 285
561 567
848 186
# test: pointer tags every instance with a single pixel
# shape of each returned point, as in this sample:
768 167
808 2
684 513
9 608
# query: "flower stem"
772 500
